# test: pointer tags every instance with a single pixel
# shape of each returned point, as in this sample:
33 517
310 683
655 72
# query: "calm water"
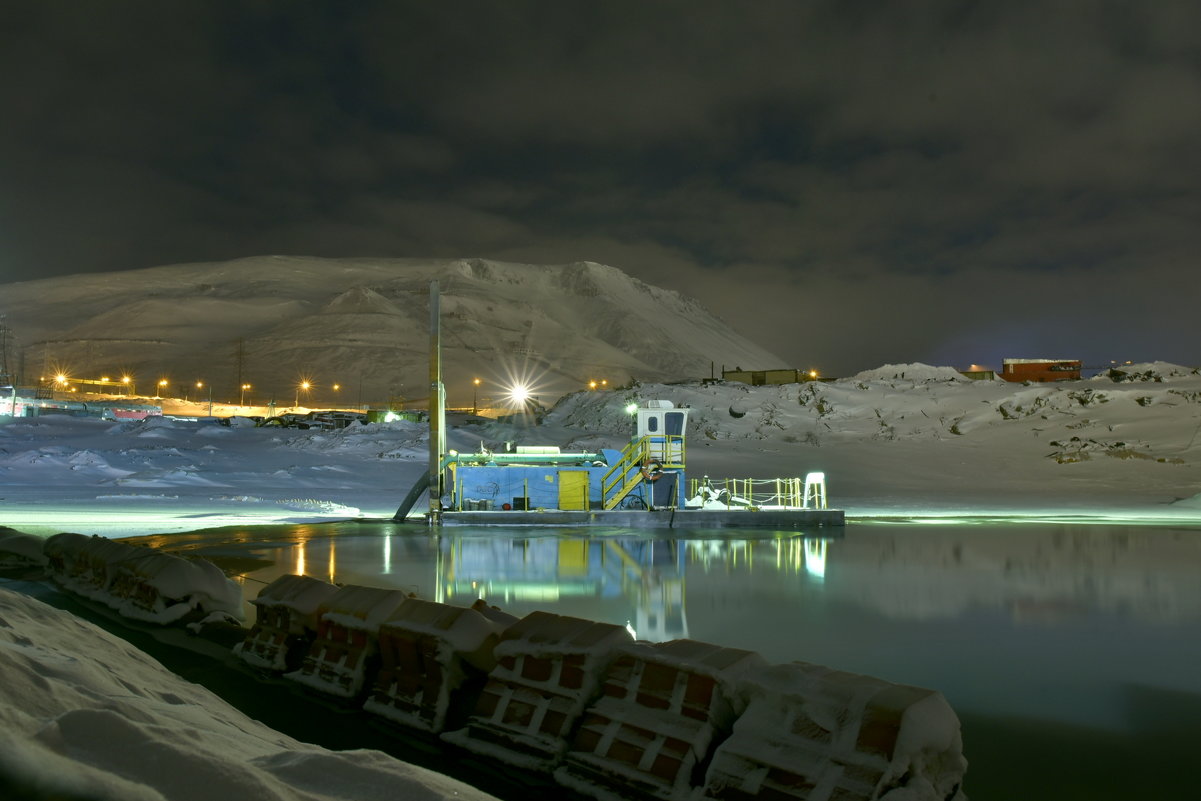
1072 653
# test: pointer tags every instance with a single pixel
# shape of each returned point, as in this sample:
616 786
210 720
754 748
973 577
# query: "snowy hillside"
364 324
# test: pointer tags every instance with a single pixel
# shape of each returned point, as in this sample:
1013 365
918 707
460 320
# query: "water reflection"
631 581
1036 619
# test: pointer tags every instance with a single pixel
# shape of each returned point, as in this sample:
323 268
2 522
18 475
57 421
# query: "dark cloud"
849 183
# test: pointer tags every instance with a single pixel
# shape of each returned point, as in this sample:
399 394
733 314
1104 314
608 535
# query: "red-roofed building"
1040 369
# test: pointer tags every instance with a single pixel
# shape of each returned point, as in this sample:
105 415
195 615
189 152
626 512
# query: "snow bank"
83 714
910 372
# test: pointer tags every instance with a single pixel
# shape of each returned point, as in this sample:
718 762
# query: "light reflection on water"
1072 624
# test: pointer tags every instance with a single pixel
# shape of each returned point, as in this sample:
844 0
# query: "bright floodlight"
632 408
519 394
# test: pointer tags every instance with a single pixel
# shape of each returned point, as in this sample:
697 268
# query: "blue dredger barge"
643 485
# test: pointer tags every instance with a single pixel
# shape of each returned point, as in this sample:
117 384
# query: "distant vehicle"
324 421
334 420
287 420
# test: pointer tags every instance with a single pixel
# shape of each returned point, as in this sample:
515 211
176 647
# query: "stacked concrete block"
82 564
818 734
141 583
340 660
164 588
547 671
661 708
286 622
19 550
431 654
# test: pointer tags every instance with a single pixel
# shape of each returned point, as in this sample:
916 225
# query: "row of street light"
65 383
518 393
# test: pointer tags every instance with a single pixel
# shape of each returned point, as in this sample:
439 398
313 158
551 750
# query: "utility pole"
437 409
7 373
240 362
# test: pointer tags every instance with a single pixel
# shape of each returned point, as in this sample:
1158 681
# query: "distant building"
1040 369
761 377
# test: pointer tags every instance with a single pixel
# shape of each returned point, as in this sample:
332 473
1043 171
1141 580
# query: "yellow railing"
621 478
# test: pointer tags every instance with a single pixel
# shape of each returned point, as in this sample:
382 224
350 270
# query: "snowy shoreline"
930 444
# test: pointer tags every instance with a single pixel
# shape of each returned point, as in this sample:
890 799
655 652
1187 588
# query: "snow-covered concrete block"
813 733
82 564
159 587
141 583
430 654
347 639
286 620
548 669
661 708
21 550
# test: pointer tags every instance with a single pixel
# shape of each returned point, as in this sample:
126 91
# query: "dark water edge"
1033 760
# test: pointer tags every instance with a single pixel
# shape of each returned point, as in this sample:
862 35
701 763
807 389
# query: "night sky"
847 183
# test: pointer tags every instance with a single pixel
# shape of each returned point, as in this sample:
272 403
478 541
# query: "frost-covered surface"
462 642
661 707
893 742
303 596
546 663
83 714
926 444
460 631
361 608
347 638
288 610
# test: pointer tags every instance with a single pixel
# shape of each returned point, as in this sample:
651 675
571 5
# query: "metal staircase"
623 477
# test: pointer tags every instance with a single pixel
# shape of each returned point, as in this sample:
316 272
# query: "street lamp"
302 386
162 387
475 392
242 400
200 385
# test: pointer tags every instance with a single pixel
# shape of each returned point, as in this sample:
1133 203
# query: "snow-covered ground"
901 440
85 715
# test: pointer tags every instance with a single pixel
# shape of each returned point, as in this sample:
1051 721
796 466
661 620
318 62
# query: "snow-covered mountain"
364 324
